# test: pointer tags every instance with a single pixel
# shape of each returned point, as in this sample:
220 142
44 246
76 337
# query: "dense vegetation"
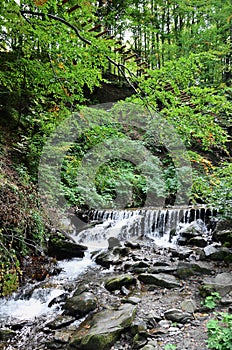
51 61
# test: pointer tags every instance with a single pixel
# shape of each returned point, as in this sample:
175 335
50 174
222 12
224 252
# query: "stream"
37 303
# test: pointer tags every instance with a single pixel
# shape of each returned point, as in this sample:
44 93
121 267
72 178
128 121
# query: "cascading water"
157 224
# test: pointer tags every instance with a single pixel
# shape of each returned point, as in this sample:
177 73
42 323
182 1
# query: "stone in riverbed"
60 321
102 330
218 253
80 305
185 269
107 258
222 283
119 281
159 279
176 315
62 248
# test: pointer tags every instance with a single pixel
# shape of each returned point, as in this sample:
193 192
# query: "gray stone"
80 305
162 269
185 269
151 345
108 258
218 253
113 242
62 248
198 241
189 306
193 229
103 329
222 283
119 281
176 315
160 279
61 321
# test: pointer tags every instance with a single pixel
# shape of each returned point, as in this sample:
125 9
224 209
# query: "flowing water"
34 301
160 225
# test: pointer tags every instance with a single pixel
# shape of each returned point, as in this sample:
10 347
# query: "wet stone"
80 305
119 281
60 321
161 279
176 315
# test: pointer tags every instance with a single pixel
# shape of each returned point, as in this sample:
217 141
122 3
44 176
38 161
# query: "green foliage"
220 332
212 300
170 347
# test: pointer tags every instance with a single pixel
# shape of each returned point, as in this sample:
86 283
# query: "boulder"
222 283
61 247
224 237
119 281
107 258
102 330
113 242
159 279
176 315
80 305
216 253
193 229
198 241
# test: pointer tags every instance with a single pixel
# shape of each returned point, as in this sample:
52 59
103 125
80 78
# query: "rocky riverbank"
136 296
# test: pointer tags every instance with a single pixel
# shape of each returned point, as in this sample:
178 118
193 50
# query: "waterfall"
155 223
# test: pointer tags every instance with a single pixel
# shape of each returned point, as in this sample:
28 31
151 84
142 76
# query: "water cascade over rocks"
161 225
141 291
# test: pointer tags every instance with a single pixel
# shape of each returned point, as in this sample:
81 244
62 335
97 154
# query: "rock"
176 315
160 279
193 229
119 281
189 305
133 300
180 253
62 337
185 269
60 321
132 245
81 304
62 248
222 283
218 253
61 298
198 241
223 232
164 269
103 329
107 258
151 345
113 242
138 266
139 341
137 327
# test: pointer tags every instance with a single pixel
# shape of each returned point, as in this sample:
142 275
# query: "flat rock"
176 315
185 269
160 279
119 281
102 330
222 283
61 321
62 248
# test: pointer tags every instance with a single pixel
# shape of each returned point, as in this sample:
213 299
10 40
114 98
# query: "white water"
21 308
156 224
